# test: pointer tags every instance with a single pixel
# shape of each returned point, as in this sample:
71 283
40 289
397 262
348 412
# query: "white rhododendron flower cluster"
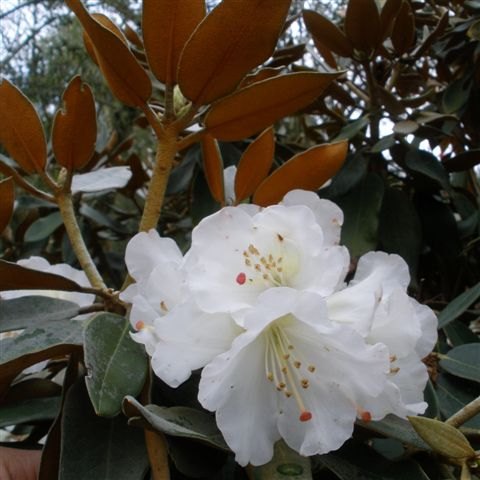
288 348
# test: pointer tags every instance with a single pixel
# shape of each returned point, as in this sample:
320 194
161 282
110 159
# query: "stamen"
280 238
366 416
394 370
305 416
163 306
140 325
241 278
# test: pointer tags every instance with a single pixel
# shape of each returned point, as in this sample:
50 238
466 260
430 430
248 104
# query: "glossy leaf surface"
117 365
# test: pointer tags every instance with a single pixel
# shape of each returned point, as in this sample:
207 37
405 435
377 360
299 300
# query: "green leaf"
400 230
102 219
117 366
352 129
345 470
427 164
443 438
43 227
456 94
458 305
458 333
361 207
395 427
29 411
453 394
352 172
176 421
38 343
25 311
463 361
285 465
98 448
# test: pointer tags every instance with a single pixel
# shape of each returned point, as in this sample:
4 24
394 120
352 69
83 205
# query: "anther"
241 278
270 376
297 364
140 325
304 383
394 370
280 238
163 306
366 416
305 416
311 368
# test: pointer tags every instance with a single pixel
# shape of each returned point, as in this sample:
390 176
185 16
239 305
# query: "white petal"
146 250
229 184
188 340
403 394
396 325
428 325
333 416
328 215
379 268
104 179
62 269
234 385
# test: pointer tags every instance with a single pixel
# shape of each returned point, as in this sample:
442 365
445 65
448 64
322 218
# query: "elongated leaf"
7 198
98 448
259 105
395 427
463 361
176 421
166 26
444 439
361 13
403 34
462 161
43 227
125 76
327 33
453 394
233 39
457 306
15 277
75 127
117 366
361 207
29 411
427 164
38 343
21 132
387 16
34 310
254 165
213 168
308 170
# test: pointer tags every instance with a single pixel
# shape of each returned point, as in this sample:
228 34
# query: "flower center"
285 368
274 268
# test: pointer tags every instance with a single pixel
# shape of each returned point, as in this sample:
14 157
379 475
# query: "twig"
465 414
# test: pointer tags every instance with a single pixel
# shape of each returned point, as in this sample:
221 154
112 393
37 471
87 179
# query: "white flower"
376 304
176 334
293 374
239 252
154 263
288 350
39 263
